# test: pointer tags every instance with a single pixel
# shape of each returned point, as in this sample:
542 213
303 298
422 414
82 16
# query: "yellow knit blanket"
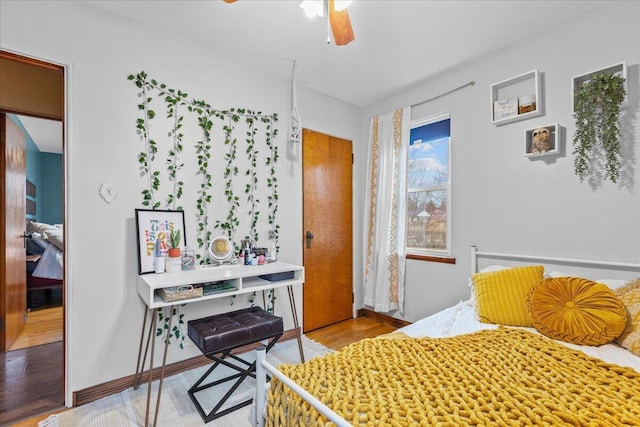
501 377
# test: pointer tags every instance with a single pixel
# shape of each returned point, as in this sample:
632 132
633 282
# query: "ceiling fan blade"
340 25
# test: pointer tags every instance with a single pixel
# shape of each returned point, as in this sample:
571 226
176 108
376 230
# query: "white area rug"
127 409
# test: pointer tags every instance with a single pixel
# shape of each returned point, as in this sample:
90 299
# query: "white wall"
505 202
104 311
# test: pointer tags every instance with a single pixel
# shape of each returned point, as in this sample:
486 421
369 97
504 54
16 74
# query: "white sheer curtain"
384 219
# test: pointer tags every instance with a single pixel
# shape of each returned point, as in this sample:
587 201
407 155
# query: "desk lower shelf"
245 279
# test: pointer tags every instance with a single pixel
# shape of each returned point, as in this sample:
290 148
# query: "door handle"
25 236
309 239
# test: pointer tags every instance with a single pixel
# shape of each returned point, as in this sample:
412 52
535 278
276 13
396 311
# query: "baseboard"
382 318
99 391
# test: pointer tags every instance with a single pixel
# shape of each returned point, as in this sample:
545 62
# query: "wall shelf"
555 140
506 97
619 69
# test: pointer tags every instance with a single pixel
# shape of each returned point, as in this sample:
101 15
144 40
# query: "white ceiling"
46 134
397 42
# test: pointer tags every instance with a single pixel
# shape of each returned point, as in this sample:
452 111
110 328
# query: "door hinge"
353 298
351 158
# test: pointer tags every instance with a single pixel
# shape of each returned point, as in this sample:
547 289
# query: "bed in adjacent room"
44 256
532 346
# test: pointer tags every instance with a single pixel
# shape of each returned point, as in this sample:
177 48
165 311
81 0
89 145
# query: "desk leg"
292 303
153 341
164 363
140 366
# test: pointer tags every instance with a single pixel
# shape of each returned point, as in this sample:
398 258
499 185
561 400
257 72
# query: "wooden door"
13 274
327 230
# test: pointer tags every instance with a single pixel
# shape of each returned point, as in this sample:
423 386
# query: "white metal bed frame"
262 366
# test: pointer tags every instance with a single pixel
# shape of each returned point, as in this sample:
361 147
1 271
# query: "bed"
44 249
473 364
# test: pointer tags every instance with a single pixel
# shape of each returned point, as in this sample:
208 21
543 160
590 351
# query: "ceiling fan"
338 17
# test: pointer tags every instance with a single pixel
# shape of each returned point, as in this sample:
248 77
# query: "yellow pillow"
630 297
576 310
501 296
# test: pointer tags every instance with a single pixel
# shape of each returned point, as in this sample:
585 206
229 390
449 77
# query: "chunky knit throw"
501 377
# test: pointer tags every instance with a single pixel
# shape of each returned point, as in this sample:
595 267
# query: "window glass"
428 222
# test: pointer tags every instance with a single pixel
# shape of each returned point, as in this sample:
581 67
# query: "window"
429 187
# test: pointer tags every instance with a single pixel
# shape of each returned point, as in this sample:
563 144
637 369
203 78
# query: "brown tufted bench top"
220 332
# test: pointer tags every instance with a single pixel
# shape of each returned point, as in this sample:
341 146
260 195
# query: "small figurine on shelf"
540 141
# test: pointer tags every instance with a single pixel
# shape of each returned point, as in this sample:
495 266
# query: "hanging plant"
176 325
252 185
230 171
272 181
203 154
173 99
597 120
147 156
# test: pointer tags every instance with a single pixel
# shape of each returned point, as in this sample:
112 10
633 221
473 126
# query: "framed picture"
155 226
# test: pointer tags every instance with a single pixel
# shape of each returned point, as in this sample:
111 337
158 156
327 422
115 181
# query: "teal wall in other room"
44 170
51 188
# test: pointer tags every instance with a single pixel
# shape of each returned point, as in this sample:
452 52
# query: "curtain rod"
471 83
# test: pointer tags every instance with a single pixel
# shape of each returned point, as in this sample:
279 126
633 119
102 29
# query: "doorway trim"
67 130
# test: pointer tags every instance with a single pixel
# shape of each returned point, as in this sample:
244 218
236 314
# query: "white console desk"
244 278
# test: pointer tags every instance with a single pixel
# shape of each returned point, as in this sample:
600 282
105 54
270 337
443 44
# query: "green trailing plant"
147 156
597 119
230 171
272 181
176 101
203 154
166 321
252 186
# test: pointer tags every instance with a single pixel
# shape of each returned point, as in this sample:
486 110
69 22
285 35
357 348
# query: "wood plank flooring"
334 336
349 331
43 327
32 382
31 373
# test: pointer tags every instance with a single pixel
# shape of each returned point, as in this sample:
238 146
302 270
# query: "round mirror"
220 249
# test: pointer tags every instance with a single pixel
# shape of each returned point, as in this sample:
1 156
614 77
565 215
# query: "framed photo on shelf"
155 226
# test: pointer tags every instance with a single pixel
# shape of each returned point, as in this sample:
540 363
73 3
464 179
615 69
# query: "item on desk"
217 287
188 259
178 293
173 264
247 255
276 277
260 259
158 258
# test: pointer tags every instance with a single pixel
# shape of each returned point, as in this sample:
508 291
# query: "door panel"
327 210
12 262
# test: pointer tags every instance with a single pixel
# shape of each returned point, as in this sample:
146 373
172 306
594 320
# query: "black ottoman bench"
217 336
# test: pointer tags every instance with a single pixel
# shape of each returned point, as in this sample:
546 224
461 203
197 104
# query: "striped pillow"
501 296
630 297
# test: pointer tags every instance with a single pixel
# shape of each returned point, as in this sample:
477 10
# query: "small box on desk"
276 277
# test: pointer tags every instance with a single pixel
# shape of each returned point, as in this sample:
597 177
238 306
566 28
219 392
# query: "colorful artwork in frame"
152 226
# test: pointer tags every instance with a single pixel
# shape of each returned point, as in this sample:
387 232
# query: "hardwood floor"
334 336
31 373
346 332
32 382
43 327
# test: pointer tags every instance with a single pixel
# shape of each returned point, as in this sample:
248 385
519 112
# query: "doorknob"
309 239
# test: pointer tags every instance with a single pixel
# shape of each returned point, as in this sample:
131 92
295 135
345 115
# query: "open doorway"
31 258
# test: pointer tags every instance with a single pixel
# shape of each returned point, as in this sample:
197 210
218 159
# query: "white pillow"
611 283
41 227
54 236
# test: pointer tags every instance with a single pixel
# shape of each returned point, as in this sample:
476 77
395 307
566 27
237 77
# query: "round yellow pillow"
576 310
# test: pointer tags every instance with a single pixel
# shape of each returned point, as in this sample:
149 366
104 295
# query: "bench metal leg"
242 374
